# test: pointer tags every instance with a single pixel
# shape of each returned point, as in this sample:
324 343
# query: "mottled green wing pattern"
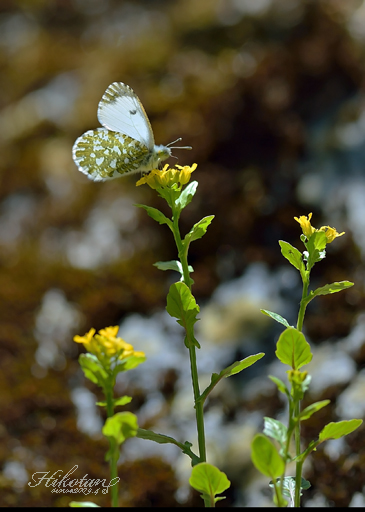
103 154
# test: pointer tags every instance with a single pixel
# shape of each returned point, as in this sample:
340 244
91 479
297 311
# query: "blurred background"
270 95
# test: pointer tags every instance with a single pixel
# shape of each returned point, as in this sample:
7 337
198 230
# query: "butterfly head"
162 152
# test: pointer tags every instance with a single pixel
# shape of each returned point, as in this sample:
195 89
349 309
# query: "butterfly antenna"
178 147
177 140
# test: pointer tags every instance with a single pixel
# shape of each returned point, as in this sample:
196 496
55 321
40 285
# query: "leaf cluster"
270 458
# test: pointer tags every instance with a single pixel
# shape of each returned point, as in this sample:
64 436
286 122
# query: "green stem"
303 305
279 495
299 465
183 253
298 483
198 404
287 447
113 449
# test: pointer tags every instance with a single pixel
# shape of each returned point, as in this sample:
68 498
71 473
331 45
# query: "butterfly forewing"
120 110
102 154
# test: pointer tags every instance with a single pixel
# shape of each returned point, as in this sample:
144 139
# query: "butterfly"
125 144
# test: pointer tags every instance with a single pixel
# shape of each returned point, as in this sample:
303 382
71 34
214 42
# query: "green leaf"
280 385
92 369
117 401
162 439
317 241
276 430
83 504
208 480
265 457
131 362
169 265
123 400
275 316
335 430
292 254
293 349
156 214
198 230
316 248
234 368
121 426
335 287
238 366
186 195
289 486
311 409
181 305
305 484
128 363
172 265
157 438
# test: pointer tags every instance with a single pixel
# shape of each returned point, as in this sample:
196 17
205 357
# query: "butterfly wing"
121 111
102 154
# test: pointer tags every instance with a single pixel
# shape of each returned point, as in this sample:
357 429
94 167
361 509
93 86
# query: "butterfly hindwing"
120 110
102 154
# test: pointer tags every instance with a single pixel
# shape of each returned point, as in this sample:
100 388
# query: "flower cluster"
308 229
106 345
168 178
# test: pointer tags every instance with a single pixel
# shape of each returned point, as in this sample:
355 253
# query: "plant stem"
303 305
198 404
114 452
299 465
183 254
287 446
278 493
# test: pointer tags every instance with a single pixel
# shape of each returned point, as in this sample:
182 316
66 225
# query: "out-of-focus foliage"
269 95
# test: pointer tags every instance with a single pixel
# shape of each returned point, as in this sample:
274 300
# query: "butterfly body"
125 144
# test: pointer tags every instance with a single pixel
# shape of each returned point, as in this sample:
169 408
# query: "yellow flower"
153 179
331 233
166 177
106 344
308 230
85 339
109 332
305 224
185 173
